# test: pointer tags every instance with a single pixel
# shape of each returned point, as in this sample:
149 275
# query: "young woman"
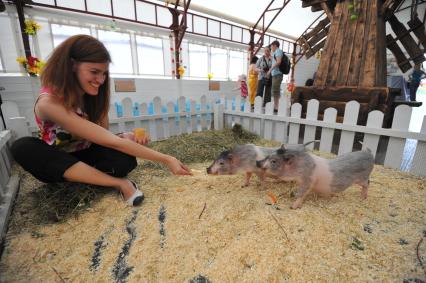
72 114
264 82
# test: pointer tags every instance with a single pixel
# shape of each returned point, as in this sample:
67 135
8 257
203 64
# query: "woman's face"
267 52
91 76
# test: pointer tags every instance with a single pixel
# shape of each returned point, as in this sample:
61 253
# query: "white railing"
8 183
285 127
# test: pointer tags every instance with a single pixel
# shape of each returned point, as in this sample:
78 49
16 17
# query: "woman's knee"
125 165
41 160
117 164
23 148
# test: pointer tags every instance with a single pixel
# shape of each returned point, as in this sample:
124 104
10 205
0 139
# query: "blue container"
151 108
118 109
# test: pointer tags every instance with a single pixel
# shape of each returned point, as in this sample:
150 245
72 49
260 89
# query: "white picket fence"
285 127
162 121
178 119
188 116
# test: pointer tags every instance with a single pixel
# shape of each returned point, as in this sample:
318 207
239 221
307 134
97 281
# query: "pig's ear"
281 150
233 158
288 158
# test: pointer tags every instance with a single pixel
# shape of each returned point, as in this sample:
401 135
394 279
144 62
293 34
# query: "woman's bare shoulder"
46 104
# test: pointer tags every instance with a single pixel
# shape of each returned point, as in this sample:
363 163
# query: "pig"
314 173
243 158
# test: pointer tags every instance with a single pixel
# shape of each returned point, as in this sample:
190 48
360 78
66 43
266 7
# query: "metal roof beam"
263 30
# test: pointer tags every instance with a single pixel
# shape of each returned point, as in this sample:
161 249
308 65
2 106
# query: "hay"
210 229
53 203
202 147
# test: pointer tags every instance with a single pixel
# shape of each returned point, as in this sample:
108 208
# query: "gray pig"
243 158
314 173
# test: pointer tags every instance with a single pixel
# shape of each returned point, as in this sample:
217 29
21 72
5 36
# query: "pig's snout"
211 170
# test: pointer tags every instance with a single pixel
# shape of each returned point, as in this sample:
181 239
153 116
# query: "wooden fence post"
419 161
218 117
350 118
311 114
401 121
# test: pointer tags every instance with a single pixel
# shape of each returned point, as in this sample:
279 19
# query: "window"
150 55
118 45
62 32
236 64
219 60
197 60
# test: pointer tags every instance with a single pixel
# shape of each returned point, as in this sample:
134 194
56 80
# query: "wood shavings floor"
210 227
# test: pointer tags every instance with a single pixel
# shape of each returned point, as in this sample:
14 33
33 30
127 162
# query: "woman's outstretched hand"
131 136
177 167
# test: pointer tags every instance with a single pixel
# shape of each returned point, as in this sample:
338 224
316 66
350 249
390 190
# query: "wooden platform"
370 98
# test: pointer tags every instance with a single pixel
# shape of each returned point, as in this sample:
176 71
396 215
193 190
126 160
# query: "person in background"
277 75
242 86
415 78
264 82
71 112
252 80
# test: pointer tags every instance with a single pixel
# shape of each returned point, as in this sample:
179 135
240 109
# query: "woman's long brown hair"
59 76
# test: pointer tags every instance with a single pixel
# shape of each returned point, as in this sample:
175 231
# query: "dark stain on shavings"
200 279
357 244
121 271
100 245
413 280
162 218
368 229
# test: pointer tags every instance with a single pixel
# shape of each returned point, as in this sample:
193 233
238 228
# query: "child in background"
252 79
242 86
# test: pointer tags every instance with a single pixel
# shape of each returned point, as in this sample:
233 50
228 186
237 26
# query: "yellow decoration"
210 76
21 60
318 54
32 65
181 70
31 27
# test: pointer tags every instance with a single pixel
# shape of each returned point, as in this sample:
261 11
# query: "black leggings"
48 163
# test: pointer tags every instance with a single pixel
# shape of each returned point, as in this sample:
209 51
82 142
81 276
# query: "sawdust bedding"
210 229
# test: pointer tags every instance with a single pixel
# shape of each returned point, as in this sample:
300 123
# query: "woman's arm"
105 121
51 108
277 63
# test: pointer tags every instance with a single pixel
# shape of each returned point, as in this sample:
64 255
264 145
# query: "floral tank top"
54 135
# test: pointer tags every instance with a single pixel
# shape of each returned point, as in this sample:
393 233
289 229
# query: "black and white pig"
314 173
243 158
